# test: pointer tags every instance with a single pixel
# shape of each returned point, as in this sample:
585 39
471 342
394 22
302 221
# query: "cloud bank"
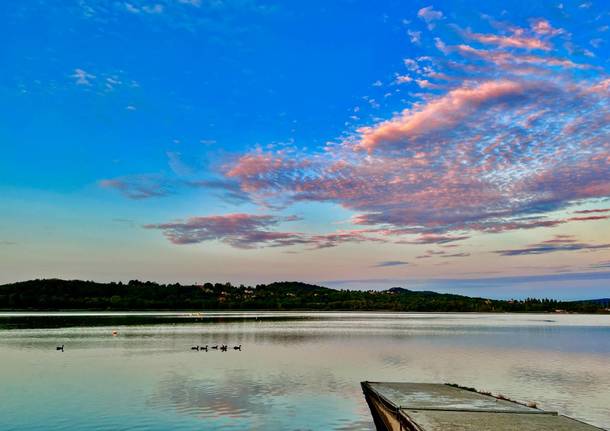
504 130
514 136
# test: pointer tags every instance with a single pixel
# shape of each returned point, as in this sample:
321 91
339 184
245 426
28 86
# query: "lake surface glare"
296 371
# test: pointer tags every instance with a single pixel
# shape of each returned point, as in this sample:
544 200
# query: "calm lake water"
295 371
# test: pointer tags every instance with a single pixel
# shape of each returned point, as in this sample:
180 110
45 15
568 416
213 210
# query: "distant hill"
604 302
55 294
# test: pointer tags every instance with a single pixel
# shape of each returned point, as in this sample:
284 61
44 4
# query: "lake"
296 371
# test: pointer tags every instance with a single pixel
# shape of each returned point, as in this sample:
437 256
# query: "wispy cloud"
229 191
589 218
178 165
542 26
514 40
147 186
157 8
444 113
430 238
238 230
140 186
248 231
593 211
432 253
429 15
387 263
191 15
556 244
103 82
82 77
414 36
403 79
456 255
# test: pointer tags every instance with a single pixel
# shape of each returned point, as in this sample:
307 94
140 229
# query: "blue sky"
359 144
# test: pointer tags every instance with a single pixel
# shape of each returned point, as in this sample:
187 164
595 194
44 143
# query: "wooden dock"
438 407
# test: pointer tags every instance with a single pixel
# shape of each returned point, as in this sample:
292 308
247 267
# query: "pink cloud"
543 27
429 15
505 58
244 231
255 164
513 138
403 79
601 210
589 218
602 88
239 230
515 40
248 231
441 113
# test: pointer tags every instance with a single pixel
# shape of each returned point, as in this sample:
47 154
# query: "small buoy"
115 333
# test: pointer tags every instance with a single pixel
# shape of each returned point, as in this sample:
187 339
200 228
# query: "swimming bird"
237 347
195 348
61 348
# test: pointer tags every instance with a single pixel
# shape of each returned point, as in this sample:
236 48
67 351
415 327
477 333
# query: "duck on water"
222 348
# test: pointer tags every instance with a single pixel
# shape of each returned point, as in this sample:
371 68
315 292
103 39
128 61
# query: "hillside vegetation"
54 294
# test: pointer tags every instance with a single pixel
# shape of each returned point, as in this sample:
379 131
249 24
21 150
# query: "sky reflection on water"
293 373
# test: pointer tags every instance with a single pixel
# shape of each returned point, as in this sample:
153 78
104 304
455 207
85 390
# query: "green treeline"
136 295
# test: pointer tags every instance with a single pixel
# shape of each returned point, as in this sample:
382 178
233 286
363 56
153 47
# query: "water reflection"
560 377
246 399
293 373
236 395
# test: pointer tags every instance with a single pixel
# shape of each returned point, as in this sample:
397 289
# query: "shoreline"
145 312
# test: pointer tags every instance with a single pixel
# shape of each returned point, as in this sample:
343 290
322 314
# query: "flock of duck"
198 348
222 348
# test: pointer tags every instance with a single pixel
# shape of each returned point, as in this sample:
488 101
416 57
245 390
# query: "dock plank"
485 421
439 407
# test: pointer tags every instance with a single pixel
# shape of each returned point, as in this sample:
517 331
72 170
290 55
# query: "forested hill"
54 294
